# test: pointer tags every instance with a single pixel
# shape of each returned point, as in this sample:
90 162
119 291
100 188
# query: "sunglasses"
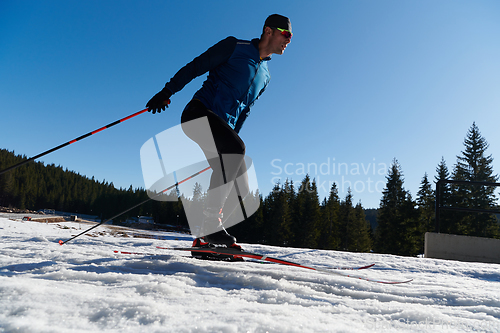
284 32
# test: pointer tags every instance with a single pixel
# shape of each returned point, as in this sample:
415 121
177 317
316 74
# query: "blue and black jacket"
237 77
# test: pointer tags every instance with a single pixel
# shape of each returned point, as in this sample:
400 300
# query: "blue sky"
362 83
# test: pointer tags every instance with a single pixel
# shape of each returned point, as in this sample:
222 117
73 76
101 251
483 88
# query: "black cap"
278 21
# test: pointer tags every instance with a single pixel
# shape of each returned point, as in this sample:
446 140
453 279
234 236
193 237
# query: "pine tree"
446 216
395 232
426 204
360 234
307 215
474 165
329 229
6 189
278 214
288 201
354 228
346 222
412 235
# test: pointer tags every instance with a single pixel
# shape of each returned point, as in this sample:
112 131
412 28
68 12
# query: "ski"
352 268
136 253
257 256
156 254
244 254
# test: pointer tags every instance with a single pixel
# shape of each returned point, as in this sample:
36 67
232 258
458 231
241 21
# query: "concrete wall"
462 248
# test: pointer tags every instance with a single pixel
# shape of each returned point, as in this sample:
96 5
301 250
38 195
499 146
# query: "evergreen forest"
290 216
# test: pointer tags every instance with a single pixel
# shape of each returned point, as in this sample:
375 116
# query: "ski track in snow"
83 286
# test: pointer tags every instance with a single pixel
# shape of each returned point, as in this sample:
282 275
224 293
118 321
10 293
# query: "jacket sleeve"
210 59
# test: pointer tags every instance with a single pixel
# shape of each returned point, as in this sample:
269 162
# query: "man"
238 75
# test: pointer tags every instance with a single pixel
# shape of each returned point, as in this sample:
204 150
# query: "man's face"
279 41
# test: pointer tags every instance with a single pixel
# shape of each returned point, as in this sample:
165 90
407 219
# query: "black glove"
160 101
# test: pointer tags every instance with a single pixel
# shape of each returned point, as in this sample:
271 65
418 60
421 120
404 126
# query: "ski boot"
213 222
201 243
213 229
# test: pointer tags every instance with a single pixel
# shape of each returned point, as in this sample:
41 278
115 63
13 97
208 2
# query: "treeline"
286 217
296 218
289 216
292 217
37 186
403 221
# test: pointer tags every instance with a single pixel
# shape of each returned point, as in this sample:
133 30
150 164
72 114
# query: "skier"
238 75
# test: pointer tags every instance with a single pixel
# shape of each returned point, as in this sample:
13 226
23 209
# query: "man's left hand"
160 101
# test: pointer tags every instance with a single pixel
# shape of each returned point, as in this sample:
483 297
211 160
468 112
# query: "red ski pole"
72 141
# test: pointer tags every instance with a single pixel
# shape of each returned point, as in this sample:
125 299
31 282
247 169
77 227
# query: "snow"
83 286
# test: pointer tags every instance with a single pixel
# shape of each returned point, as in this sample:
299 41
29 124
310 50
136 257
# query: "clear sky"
362 83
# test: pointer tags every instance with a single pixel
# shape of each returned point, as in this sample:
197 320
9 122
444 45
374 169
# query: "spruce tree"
474 165
6 188
360 235
307 215
426 205
255 224
278 215
412 235
329 229
446 216
286 227
354 228
395 230
346 222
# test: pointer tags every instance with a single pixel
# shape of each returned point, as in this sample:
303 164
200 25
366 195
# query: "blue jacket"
237 77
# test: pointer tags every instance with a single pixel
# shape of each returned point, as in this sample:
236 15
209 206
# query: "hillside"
84 286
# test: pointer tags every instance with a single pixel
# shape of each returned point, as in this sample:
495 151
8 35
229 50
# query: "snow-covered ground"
83 286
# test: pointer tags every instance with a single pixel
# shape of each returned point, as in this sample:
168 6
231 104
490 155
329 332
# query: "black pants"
226 159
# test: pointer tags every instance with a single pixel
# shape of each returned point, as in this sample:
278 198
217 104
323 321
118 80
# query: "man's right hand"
160 101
